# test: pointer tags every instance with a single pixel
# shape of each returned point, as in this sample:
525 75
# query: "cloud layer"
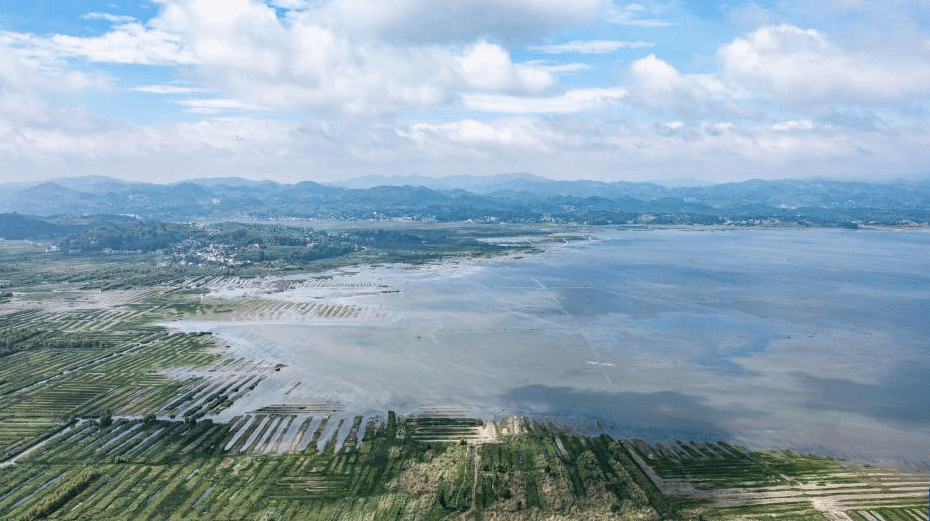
294 89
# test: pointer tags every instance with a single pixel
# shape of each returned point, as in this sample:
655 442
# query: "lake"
807 339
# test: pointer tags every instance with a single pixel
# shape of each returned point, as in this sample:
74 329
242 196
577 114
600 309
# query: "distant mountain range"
508 182
508 197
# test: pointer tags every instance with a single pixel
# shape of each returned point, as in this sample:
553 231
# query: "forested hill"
504 198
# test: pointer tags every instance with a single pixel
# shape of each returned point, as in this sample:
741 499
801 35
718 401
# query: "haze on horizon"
326 90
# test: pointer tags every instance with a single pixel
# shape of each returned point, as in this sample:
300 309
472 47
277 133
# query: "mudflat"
808 339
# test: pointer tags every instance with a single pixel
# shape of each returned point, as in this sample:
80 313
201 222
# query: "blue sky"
163 90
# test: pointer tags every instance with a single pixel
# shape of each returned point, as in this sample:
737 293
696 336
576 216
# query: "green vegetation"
159 256
60 496
236 244
115 256
14 339
170 470
157 469
490 199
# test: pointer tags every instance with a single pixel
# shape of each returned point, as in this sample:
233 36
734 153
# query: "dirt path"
12 461
475 457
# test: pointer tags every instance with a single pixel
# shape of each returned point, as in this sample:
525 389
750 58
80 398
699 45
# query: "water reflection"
794 338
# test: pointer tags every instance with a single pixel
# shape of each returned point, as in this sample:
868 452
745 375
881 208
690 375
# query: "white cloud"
576 100
656 84
15 75
19 99
458 20
655 77
562 146
794 124
242 57
82 144
574 147
558 68
251 55
292 4
796 65
168 89
635 14
488 67
30 50
215 105
128 43
590 46
23 86
475 139
242 50
794 68
108 17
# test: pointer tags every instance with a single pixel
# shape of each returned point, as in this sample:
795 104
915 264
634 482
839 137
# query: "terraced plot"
179 470
89 354
741 484
272 311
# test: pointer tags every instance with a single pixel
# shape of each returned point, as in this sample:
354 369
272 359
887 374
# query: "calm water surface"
808 339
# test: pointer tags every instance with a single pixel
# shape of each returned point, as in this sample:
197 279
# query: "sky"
325 90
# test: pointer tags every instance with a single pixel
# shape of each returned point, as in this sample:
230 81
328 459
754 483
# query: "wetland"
806 339
472 372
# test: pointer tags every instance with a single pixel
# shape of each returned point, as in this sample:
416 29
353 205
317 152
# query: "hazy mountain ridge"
507 197
790 192
17 226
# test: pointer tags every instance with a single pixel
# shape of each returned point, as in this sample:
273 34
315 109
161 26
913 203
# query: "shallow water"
808 339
